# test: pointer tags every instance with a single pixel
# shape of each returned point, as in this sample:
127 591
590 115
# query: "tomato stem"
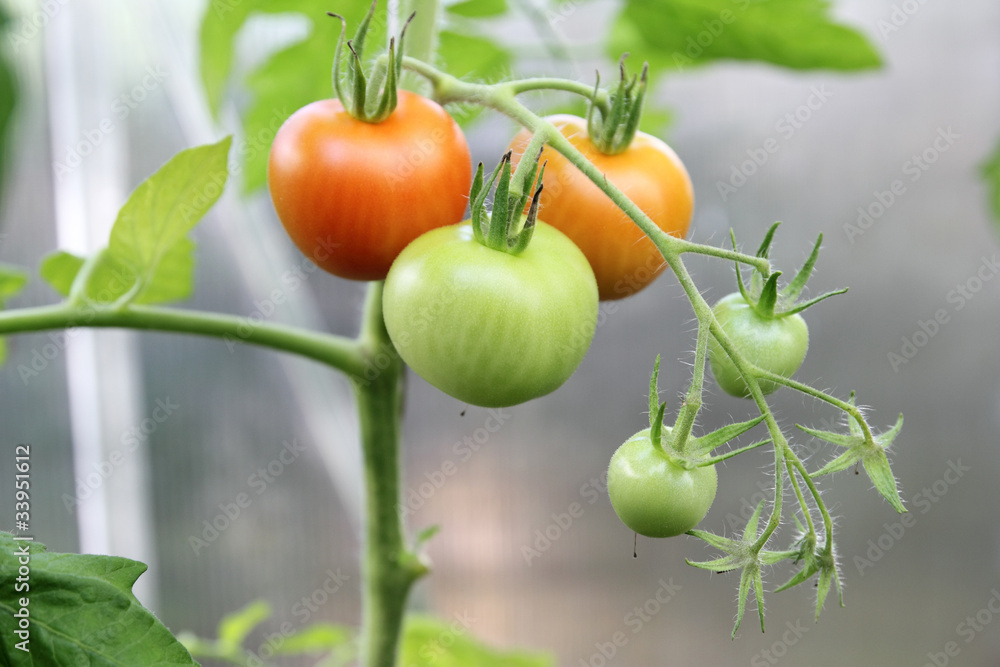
389 568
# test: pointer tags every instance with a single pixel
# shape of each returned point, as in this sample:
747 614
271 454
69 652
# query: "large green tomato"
776 344
488 327
653 495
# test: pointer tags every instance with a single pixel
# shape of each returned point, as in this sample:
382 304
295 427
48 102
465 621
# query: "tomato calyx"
613 131
505 228
763 294
748 555
691 451
371 98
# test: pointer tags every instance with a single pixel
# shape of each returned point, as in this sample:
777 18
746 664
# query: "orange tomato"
352 195
648 172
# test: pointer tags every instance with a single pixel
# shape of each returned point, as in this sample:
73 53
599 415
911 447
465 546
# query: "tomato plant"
648 171
494 311
655 495
487 325
353 194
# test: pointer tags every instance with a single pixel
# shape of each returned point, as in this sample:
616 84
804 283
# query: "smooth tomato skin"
486 327
651 175
778 345
352 195
654 496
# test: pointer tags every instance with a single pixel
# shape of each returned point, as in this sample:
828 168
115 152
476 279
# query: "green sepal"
710 441
742 554
373 97
656 428
871 453
763 294
506 228
612 133
499 222
794 288
768 296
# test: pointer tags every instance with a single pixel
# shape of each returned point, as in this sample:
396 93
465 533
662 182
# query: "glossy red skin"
648 172
352 195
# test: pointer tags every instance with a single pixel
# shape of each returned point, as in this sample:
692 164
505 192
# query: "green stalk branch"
336 351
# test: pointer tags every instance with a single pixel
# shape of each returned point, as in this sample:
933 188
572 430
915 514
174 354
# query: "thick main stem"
389 568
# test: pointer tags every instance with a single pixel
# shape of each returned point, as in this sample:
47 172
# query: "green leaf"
236 627
798 34
432 642
12 281
59 269
82 612
991 174
149 256
317 638
478 8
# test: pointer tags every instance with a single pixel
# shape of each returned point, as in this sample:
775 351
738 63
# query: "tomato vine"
390 565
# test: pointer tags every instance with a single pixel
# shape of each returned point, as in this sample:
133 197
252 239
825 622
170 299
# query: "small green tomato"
655 496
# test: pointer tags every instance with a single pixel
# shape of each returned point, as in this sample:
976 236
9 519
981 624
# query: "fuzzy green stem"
389 568
692 403
798 493
827 519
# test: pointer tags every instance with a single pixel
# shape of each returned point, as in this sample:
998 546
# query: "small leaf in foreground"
82 612
433 642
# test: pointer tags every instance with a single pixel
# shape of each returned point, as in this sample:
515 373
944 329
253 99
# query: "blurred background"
141 442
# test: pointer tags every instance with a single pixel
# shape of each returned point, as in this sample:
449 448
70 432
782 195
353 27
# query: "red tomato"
648 172
352 195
